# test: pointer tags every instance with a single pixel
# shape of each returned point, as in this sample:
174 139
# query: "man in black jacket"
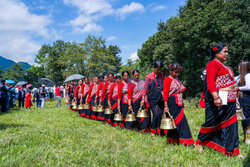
21 97
3 96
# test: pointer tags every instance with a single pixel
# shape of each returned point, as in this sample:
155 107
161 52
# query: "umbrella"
29 85
74 77
22 83
46 82
10 81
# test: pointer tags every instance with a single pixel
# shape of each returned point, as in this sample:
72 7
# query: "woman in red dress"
28 98
105 92
154 89
113 99
173 104
123 98
137 100
98 98
92 95
220 130
86 112
78 94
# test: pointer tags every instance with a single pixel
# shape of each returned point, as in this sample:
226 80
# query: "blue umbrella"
10 81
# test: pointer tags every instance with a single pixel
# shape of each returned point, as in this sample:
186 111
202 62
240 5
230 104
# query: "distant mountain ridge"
7 63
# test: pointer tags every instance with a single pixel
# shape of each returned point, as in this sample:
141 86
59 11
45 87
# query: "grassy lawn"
59 137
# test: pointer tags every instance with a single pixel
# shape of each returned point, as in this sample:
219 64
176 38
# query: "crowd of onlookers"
21 96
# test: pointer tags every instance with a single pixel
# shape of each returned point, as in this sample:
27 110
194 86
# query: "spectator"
51 92
7 97
58 95
28 98
37 97
54 91
12 96
21 97
43 93
3 96
62 90
16 93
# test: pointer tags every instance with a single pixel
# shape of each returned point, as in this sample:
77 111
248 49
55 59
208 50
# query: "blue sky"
27 24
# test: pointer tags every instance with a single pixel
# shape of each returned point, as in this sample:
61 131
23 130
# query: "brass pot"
167 123
118 117
240 115
108 111
95 108
100 108
130 117
74 106
80 107
142 113
66 101
86 106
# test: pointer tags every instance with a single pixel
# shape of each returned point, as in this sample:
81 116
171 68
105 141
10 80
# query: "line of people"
9 94
164 96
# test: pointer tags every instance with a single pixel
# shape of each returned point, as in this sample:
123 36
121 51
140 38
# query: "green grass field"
59 137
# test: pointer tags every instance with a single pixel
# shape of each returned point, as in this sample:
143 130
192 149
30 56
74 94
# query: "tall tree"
199 25
49 59
14 73
100 58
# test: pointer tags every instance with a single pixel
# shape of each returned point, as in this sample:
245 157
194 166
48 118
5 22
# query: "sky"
25 25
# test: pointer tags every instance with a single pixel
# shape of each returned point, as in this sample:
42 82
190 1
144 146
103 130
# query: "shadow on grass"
4 126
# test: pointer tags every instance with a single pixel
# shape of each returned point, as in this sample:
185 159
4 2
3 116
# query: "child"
28 99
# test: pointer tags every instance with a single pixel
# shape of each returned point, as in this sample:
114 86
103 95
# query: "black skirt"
100 115
143 124
220 130
182 134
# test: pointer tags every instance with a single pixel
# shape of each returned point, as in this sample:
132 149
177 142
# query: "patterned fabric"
106 90
94 89
78 91
176 88
225 81
137 90
115 91
125 93
151 78
86 89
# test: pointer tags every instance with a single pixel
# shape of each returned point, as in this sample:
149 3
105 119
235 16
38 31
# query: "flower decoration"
215 48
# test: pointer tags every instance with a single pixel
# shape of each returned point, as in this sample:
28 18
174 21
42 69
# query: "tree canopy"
90 58
187 38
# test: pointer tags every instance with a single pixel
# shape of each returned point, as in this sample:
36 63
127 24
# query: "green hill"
7 63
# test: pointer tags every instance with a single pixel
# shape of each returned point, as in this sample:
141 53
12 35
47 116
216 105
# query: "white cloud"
111 38
133 56
80 20
90 11
90 27
128 9
158 8
14 16
18 47
92 6
17 27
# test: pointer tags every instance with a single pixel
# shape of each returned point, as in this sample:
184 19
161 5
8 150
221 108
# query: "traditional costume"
172 91
220 130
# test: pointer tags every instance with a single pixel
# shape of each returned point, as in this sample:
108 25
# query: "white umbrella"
74 77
